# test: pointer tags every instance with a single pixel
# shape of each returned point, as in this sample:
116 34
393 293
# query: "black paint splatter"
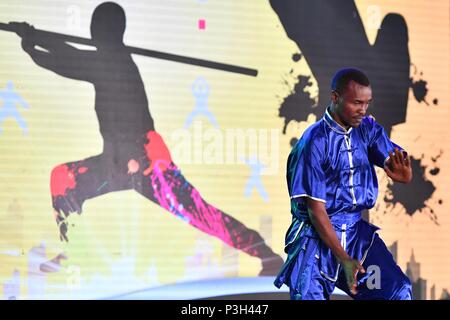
413 195
434 159
293 142
420 90
296 57
434 171
298 105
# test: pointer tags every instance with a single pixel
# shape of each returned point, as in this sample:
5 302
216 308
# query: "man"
134 155
331 179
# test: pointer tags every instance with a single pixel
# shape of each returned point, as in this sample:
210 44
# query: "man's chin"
355 124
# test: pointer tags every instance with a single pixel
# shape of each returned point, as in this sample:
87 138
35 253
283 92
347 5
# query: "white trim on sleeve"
384 162
308 196
404 153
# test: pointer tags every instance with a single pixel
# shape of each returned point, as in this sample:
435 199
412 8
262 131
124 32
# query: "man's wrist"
342 256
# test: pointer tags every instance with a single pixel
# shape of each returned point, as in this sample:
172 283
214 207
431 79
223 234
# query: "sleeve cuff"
405 156
307 196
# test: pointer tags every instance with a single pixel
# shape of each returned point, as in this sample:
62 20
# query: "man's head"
351 95
108 24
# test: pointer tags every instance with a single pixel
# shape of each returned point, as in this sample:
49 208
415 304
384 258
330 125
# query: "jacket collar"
336 127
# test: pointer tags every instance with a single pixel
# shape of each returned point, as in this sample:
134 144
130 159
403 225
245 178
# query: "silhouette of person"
8 109
330 34
200 91
134 155
254 181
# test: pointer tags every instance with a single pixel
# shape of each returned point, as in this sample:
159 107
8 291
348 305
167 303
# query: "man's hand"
398 168
26 32
351 268
23 29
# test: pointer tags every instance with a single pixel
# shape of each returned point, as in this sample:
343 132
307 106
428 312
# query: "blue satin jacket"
336 166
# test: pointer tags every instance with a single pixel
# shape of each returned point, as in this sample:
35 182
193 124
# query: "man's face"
352 104
108 24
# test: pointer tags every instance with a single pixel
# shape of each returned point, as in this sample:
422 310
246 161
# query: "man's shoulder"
369 126
369 122
312 137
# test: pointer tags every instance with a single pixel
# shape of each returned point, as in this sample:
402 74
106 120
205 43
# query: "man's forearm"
321 222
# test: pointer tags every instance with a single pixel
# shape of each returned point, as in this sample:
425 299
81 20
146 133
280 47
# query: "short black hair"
343 76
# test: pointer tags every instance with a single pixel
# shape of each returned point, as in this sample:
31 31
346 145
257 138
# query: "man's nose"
362 111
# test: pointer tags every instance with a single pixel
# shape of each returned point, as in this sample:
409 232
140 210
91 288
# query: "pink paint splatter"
202 24
211 220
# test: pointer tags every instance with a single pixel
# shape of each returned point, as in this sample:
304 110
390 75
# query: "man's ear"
334 96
